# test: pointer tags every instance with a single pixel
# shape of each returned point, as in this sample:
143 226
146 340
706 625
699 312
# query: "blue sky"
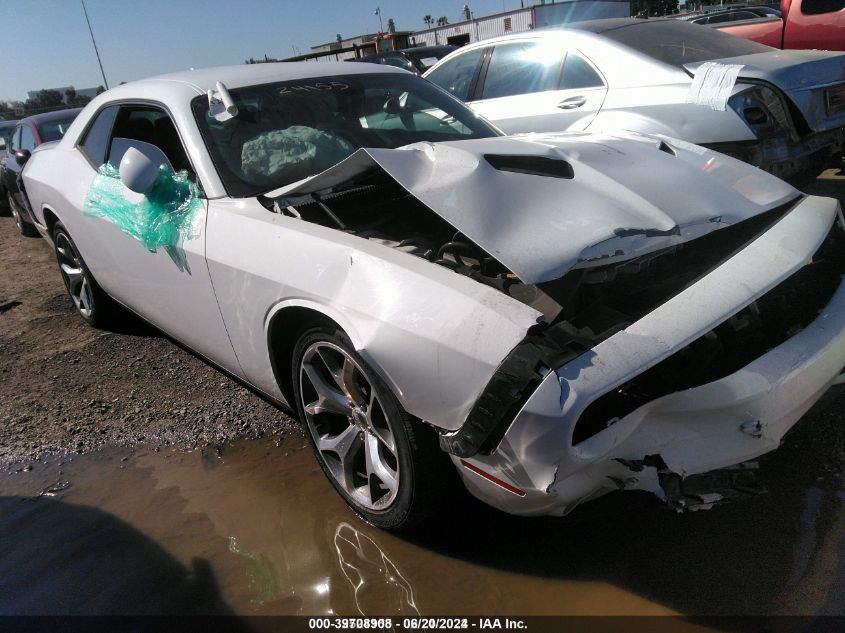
47 43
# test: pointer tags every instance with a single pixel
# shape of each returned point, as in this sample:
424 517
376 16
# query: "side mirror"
137 171
21 156
139 163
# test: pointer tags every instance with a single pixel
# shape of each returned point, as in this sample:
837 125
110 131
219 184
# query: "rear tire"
90 300
385 464
26 229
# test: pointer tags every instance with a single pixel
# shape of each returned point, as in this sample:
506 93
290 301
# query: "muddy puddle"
254 528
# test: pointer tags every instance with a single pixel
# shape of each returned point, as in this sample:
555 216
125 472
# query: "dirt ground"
65 386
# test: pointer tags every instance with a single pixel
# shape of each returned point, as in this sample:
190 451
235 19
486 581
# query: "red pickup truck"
816 24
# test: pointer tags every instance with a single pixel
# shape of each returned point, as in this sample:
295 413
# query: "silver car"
779 110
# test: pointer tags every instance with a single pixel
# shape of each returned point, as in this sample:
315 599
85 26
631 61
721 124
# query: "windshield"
287 131
678 42
54 130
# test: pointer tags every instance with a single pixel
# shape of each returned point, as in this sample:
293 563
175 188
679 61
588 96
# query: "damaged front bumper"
542 466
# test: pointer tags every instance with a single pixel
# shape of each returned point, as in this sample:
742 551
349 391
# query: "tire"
393 489
26 229
91 302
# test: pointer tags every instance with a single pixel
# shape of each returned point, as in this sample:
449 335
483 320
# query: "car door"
7 172
169 286
815 24
25 140
537 86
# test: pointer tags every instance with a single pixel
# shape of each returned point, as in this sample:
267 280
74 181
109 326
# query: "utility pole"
93 41
380 24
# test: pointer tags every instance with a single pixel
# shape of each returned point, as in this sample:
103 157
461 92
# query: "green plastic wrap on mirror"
163 218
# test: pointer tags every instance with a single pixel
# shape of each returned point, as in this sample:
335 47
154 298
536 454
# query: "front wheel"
25 228
91 302
386 465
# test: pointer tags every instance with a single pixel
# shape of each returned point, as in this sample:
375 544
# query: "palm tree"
442 20
428 20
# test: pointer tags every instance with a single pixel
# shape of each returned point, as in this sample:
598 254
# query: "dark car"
28 134
6 128
416 60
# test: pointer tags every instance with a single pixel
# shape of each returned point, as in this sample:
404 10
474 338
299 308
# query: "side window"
817 7
151 125
522 68
27 138
96 143
16 140
577 73
457 73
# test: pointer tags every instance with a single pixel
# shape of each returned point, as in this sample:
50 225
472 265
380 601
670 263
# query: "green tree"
428 20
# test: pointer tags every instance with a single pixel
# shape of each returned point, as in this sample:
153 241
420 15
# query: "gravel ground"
66 387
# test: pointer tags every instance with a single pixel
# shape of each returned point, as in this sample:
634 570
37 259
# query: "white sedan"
558 316
783 111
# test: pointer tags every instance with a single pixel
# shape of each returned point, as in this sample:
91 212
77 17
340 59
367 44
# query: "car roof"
429 49
55 115
205 79
609 24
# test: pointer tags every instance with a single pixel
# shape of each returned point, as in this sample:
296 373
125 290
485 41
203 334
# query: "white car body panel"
436 336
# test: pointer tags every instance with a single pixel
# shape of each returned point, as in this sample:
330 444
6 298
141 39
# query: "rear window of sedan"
54 130
677 43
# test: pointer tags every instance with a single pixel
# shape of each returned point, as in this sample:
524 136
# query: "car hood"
802 75
544 204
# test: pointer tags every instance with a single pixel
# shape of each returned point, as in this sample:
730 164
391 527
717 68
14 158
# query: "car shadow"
61 559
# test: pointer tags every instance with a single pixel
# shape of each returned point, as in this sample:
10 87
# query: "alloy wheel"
350 428
73 274
15 214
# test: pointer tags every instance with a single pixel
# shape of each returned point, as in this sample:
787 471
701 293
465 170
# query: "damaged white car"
783 111
559 316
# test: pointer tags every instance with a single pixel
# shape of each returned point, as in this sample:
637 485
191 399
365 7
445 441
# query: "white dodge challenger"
558 315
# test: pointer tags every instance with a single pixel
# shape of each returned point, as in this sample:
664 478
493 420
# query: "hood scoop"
532 165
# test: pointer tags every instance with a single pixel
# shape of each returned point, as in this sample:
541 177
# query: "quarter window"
96 143
522 68
577 73
456 74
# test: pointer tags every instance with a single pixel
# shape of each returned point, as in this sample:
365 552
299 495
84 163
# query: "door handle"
572 103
